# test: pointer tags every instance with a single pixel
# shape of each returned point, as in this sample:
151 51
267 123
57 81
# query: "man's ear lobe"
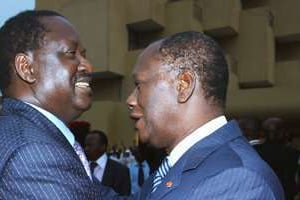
186 85
24 67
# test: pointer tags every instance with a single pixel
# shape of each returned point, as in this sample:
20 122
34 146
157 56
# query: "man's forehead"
149 65
58 25
149 58
58 28
93 137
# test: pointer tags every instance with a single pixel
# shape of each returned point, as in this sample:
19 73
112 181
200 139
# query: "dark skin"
166 106
56 76
94 147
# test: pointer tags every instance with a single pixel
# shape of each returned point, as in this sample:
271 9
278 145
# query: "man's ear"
186 85
24 67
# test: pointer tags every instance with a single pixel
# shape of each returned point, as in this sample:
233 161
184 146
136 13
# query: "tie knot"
93 165
79 151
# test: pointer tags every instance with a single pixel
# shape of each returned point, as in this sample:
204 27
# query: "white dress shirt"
197 135
257 141
99 170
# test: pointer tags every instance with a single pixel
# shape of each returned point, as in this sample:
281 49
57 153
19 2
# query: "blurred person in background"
109 172
281 157
139 169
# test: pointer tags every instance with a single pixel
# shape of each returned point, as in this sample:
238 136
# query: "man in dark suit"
109 172
45 81
251 128
282 158
178 104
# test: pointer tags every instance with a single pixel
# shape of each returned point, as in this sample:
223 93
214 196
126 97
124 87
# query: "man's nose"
131 100
85 66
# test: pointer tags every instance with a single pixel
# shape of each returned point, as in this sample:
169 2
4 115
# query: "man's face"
153 102
94 147
62 85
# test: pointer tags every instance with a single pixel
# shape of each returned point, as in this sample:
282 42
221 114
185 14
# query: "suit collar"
57 122
205 147
16 107
199 134
34 127
195 157
102 160
108 171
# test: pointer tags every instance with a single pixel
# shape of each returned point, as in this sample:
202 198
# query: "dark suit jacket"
284 161
117 176
37 161
221 166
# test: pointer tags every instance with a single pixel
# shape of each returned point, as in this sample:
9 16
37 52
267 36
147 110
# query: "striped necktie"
160 173
79 151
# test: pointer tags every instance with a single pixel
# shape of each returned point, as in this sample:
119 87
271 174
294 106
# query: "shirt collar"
197 135
256 141
137 163
57 122
102 160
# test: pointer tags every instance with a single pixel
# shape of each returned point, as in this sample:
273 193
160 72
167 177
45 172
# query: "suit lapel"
194 157
46 131
51 133
107 173
201 150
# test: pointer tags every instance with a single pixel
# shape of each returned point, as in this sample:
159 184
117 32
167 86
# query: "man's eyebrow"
71 41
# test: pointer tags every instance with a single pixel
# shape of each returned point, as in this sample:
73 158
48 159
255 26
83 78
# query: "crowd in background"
271 137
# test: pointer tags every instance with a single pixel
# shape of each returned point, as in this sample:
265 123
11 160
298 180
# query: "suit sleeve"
44 171
233 184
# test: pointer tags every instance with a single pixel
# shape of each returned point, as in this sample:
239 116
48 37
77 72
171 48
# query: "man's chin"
84 103
146 140
84 108
81 108
142 138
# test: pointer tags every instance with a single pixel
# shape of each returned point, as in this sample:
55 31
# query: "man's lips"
136 117
83 80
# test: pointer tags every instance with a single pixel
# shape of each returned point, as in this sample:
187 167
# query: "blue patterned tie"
160 174
79 151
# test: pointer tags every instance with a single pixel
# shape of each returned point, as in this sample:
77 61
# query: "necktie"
84 161
141 174
160 174
93 165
